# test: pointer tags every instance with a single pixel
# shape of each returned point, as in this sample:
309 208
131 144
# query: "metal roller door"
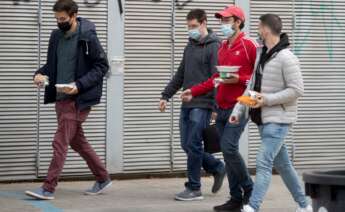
18 101
319 43
147 132
284 9
95 126
181 39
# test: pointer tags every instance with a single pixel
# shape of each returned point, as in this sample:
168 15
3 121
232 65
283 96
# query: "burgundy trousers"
70 133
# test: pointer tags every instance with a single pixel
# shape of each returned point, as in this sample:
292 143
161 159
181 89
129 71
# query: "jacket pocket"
92 94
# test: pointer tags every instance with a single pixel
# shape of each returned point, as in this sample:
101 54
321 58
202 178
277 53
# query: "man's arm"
204 87
99 68
44 69
208 85
176 83
294 84
40 74
213 57
245 75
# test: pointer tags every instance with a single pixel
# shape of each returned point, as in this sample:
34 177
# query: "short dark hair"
68 6
242 22
198 14
272 21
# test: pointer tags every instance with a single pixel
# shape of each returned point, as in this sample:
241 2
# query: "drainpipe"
172 68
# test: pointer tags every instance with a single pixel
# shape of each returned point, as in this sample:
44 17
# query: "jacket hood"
283 44
87 28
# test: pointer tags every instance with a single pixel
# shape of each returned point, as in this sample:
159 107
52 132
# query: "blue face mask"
227 30
194 34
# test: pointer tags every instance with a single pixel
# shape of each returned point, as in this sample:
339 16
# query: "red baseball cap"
231 11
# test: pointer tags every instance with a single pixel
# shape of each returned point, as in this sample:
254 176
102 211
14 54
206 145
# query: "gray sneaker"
98 187
189 195
40 194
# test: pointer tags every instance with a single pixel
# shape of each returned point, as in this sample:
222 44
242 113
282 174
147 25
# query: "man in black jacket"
198 64
78 63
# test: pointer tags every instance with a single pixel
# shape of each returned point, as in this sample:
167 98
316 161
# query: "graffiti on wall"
88 3
92 3
329 23
179 4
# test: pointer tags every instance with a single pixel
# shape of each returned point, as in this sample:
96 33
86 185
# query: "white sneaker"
247 208
307 209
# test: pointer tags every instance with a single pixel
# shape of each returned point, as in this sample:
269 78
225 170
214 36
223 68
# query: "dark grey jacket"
198 64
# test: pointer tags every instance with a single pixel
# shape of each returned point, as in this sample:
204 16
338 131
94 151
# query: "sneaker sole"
190 199
37 196
99 192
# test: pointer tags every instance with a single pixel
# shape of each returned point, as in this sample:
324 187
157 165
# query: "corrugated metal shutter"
95 126
284 9
319 43
147 70
181 40
151 139
18 101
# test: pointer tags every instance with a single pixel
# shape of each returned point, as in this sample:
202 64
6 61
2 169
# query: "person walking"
276 86
75 58
198 64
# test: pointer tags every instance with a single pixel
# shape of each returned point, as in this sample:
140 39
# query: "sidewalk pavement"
147 195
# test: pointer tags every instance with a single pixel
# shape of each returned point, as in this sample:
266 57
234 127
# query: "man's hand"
163 105
259 99
214 117
71 90
234 79
234 120
186 95
39 80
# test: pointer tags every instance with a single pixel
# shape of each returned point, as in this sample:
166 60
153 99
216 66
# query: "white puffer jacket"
282 85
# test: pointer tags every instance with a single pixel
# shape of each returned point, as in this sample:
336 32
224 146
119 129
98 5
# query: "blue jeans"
238 175
192 123
273 152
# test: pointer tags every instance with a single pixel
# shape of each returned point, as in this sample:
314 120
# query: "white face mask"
227 30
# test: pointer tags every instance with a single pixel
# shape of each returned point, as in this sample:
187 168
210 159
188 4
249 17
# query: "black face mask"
64 26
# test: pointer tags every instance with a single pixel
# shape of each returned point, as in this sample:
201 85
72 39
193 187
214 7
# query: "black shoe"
246 196
230 206
218 180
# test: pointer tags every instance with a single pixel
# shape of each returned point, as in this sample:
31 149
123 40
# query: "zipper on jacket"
87 48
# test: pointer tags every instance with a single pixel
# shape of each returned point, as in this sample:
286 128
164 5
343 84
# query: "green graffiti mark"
320 10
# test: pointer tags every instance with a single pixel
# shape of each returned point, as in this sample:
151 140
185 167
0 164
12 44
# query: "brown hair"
198 14
68 6
272 21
